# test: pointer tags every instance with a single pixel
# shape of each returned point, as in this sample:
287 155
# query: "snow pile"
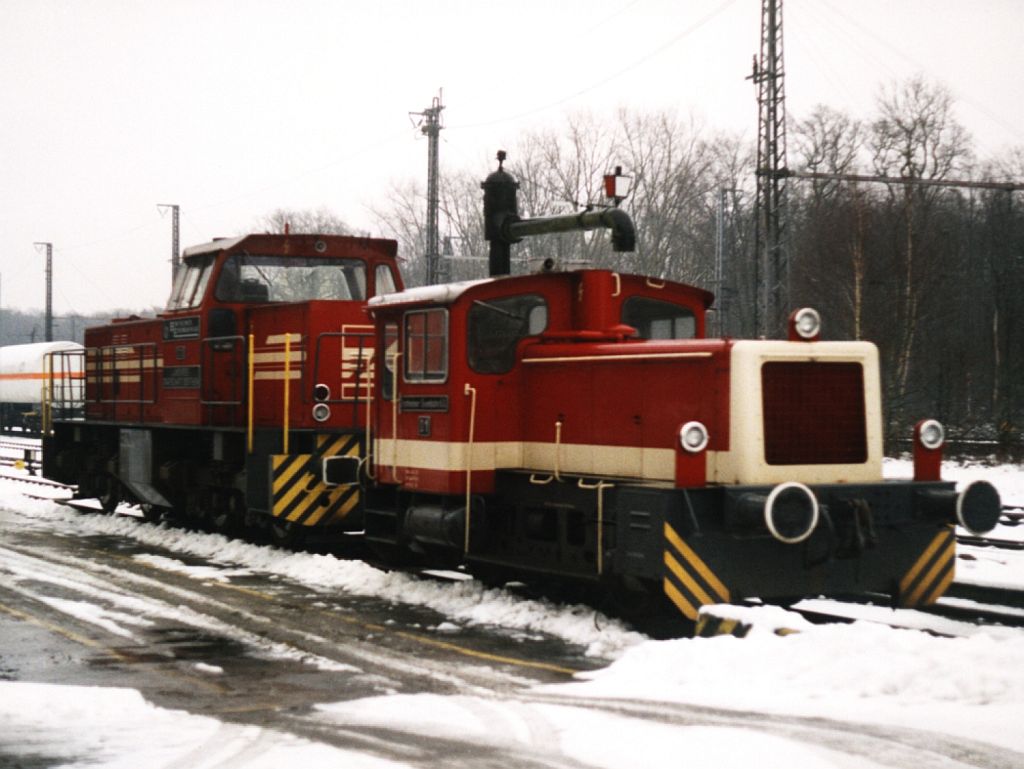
972 686
115 728
558 735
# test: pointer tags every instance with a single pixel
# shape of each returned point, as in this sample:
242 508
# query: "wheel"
227 512
152 513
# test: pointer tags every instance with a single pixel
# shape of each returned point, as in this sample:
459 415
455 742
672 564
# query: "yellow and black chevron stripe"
931 573
689 583
299 494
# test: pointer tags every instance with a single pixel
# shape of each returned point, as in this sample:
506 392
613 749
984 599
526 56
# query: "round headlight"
932 435
791 512
693 437
321 412
321 392
807 323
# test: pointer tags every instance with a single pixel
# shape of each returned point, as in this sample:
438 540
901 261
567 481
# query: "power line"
785 173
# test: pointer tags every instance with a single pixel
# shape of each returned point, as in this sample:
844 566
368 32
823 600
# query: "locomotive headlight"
932 435
791 512
321 392
805 324
693 437
321 412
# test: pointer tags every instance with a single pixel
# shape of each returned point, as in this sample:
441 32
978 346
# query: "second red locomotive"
574 426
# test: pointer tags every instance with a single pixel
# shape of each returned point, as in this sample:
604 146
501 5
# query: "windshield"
190 283
255 278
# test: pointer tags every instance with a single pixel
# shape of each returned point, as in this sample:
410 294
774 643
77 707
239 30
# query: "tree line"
933 275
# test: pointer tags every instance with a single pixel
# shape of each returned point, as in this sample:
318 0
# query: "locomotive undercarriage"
649 545
201 477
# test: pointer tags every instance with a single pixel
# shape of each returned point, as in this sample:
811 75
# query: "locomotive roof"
442 293
447 293
225 244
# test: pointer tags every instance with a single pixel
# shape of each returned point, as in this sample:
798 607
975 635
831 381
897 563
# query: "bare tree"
916 136
305 220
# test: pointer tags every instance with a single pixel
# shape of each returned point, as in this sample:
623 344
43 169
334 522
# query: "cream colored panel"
744 462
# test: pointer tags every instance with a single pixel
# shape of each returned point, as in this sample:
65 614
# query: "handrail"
249 384
599 487
555 476
471 392
287 389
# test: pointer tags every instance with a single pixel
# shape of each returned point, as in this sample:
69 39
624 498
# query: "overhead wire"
607 79
902 54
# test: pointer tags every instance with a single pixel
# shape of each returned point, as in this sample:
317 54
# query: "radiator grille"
813 413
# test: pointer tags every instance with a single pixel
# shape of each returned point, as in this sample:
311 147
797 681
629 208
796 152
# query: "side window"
495 327
389 356
385 283
426 346
655 319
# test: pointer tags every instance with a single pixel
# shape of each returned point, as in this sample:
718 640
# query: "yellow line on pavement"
487 656
68 634
96 645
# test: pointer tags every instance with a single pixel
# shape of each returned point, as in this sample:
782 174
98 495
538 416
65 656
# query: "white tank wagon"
34 375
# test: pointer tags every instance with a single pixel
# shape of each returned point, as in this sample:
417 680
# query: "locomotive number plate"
437 404
181 328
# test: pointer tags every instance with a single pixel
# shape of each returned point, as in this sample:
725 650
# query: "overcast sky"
233 109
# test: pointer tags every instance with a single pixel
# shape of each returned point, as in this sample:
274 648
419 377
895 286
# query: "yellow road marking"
96 645
465 651
418 638
486 655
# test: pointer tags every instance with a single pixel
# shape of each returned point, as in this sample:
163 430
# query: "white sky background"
233 109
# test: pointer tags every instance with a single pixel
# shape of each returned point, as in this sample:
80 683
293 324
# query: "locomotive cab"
261 365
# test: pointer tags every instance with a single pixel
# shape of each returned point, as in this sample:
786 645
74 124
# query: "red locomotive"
573 426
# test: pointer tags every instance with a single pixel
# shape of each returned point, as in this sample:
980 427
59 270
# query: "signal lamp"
693 437
804 324
321 412
321 392
616 186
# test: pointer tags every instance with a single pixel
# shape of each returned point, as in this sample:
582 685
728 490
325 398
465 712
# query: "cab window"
390 357
265 278
656 319
190 283
426 346
385 280
495 327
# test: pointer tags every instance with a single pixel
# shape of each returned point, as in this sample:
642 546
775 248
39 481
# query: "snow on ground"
85 726
865 672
